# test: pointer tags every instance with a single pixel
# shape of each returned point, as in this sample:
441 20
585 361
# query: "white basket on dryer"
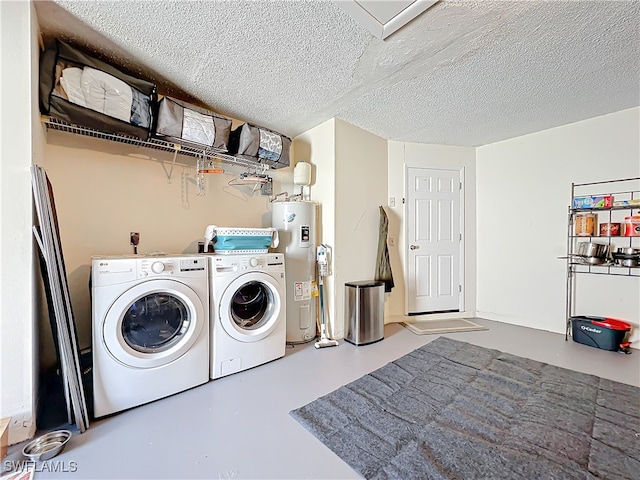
240 240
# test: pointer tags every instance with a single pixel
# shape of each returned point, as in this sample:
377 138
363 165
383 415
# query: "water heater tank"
296 225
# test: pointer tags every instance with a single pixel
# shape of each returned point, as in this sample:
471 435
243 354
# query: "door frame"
463 281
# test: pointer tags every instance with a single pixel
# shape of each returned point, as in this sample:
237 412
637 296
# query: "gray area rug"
452 410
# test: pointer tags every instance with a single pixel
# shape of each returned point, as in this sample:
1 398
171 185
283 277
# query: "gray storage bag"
82 90
260 145
192 126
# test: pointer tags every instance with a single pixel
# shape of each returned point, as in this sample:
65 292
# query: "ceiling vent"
384 17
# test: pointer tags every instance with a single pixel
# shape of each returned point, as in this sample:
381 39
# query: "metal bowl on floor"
47 446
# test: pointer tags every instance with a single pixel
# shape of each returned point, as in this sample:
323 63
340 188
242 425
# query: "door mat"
426 327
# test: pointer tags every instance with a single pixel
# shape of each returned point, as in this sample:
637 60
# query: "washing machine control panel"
155 266
186 266
113 270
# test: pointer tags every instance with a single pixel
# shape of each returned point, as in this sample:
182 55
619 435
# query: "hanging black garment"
383 264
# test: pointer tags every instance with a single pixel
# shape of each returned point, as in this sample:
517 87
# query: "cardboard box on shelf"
589 201
627 203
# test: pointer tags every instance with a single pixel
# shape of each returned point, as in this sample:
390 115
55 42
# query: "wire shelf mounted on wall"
208 154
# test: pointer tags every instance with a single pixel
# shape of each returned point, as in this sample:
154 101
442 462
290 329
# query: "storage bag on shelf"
189 125
261 145
87 92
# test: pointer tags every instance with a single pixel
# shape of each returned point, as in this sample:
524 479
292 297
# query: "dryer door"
250 306
153 323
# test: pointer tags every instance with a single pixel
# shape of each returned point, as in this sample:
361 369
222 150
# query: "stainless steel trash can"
364 312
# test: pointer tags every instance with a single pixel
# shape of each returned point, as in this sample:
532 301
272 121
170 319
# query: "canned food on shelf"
609 229
585 224
632 226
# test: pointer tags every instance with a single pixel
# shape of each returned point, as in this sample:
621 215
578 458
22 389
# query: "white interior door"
434 241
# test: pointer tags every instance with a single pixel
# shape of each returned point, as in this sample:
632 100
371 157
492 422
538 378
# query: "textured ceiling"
463 73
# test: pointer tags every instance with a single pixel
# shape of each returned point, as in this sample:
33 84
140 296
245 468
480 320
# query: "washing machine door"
250 306
153 323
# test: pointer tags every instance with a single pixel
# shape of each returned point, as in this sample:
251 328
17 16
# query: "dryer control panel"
235 263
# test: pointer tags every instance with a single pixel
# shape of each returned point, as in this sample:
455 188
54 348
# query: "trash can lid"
365 284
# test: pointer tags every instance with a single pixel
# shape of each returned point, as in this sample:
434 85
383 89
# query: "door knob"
414 247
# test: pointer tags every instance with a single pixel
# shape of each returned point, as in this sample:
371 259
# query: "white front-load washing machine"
248 315
150 317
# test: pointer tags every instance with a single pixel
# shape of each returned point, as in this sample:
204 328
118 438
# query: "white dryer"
150 328
248 315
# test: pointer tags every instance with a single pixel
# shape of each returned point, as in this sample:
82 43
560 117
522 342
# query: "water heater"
296 225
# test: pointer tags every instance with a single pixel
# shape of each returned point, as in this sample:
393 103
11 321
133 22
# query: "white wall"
402 155
522 199
360 189
18 364
349 183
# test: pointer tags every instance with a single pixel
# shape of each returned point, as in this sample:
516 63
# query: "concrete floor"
239 426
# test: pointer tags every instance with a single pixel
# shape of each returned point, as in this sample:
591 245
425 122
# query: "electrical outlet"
134 238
